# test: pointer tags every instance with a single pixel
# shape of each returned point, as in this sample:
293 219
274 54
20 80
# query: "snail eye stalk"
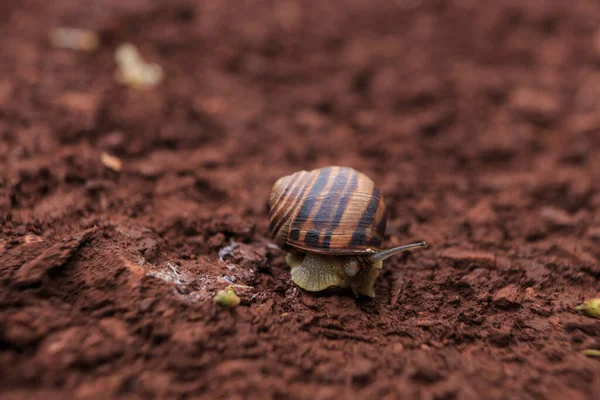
382 255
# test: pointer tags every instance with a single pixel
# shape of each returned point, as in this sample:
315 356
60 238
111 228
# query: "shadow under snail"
331 222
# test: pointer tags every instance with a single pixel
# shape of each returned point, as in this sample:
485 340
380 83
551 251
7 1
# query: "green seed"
227 298
591 308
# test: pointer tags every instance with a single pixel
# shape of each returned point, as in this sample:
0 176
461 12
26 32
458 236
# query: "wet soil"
477 120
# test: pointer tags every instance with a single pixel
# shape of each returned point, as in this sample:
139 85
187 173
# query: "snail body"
332 222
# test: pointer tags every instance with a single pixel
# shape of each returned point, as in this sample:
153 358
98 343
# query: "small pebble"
111 162
535 105
397 348
530 294
507 297
557 218
499 338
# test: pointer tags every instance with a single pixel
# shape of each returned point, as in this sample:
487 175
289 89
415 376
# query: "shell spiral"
332 210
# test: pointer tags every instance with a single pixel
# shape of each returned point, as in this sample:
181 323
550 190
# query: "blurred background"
164 124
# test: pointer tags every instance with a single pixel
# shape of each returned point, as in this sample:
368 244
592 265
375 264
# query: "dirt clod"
469 259
537 105
56 256
507 297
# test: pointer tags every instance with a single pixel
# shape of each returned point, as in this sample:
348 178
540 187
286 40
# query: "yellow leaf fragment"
111 162
133 70
591 352
591 308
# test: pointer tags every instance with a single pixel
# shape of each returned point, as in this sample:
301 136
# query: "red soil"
478 120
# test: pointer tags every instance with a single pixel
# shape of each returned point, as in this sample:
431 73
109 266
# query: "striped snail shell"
332 210
331 221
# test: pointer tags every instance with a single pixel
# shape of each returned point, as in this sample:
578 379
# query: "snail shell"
332 211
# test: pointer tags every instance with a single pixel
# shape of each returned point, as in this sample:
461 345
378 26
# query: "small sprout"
111 162
227 298
74 39
591 352
133 70
591 308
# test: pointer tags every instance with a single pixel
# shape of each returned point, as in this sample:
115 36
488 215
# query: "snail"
331 222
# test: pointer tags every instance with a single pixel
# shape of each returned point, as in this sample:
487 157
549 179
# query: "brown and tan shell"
332 210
